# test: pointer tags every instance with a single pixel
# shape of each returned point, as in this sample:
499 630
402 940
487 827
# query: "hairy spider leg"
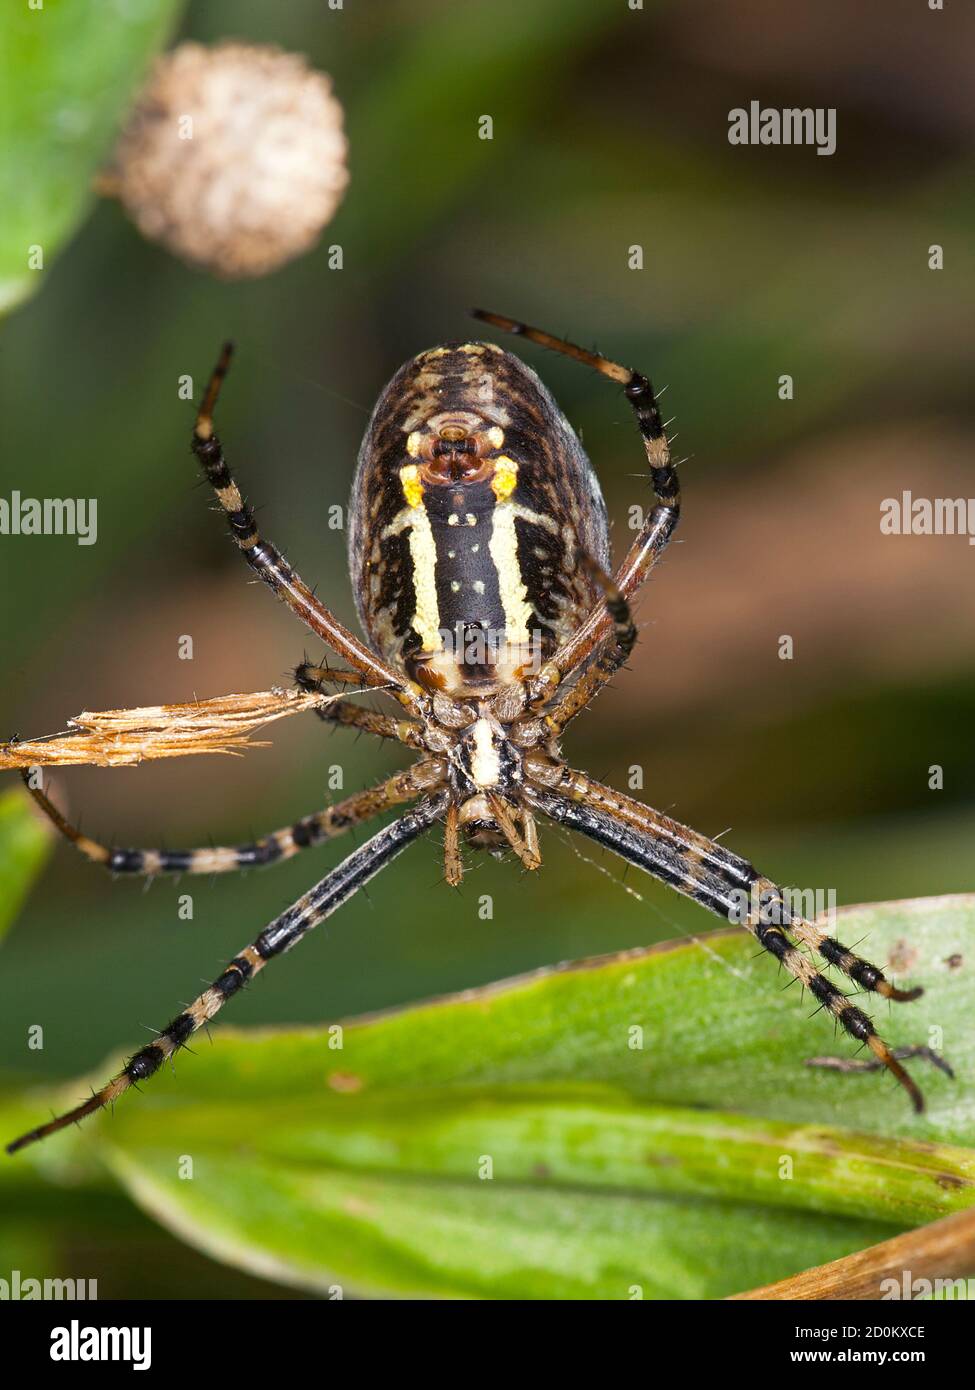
315 678
269 849
658 525
453 863
713 876
276 938
272 567
525 845
609 657
737 873
866 1064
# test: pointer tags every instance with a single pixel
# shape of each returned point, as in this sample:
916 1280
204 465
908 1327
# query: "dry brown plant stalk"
942 1250
124 737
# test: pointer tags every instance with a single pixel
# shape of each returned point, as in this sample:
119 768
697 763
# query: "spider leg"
353 716
314 678
658 525
857 1064
738 875
529 828
717 879
270 849
271 566
453 863
346 712
525 846
610 656
276 938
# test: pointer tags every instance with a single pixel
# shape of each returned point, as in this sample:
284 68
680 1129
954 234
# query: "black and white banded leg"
269 849
271 566
658 526
276 938
719 880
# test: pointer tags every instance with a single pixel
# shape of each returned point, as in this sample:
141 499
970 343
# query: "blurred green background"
610 130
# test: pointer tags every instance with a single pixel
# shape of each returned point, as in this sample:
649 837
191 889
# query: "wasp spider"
479 554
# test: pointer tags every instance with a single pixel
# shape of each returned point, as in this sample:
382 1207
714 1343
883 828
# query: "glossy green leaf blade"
575 1136
24 846
317 1228
68 73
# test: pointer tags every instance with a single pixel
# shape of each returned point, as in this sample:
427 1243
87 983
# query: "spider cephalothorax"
479 555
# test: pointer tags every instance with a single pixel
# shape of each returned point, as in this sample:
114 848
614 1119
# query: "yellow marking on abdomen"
505 478
423 553
409 477
503 547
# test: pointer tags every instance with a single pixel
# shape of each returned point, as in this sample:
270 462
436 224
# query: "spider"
479 554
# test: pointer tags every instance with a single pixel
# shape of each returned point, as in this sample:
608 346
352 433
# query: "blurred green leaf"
587 1137
587 1193
24 845
68 73
513 1142
316 1227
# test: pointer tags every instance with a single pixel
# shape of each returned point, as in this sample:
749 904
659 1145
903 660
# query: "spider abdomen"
472 510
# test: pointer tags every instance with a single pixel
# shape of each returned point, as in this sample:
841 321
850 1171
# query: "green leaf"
24 845
513 1142
68 74
318 1227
